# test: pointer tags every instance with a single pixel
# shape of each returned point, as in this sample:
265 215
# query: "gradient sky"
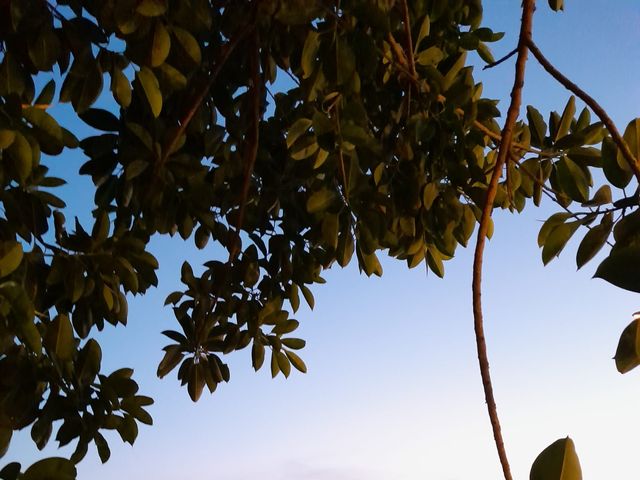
393 389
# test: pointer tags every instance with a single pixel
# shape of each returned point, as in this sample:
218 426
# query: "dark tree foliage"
383 143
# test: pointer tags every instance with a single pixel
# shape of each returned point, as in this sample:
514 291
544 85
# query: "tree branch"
503 153
503 59
223 56
252 141
593 105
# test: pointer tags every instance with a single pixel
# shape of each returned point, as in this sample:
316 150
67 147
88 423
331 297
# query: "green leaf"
430 56
485 53
172 77
12 78
6 138
566 119
320 200
283 364
160 46
296 130
120 88
196 381
308 296
19 157
102 446
621 268
275 369
100 119
558 461
628 352
172 357
537 126
613 170
5 439
573 180
257 354
309 51
556 5
451 75
557 240
425 29
51 469
10 257
632 139
594 240
188 43
46 129
59 338
305 151
296 361
46 95
151 8
88 363
287 326
151 89
44 50
294 343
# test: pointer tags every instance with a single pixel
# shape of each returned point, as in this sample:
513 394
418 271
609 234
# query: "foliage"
382 143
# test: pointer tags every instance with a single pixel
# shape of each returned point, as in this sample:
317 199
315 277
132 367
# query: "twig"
409 40
591 102
252 141
507 133
503 59
225 53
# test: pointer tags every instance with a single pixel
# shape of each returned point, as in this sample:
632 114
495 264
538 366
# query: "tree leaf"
100 119
161 45
628 352
296 130
10 257
558 461
430 56
557 239
59 338
613 170
621 268
556 5
566 119
151 89
151 8
632 139
19 157
188 43
5 439
283 364
320 200
309 51
53 468
257 354
296 361
537 126
120 88
594 240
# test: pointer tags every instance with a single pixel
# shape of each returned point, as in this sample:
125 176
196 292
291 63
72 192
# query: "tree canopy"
380 142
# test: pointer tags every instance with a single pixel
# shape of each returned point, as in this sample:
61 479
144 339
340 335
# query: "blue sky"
393 389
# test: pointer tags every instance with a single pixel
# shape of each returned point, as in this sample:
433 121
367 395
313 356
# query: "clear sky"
393 389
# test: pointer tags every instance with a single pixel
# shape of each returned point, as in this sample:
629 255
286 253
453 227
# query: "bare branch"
503 154
593 105
503 59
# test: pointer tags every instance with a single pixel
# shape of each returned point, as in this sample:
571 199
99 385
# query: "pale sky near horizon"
393 389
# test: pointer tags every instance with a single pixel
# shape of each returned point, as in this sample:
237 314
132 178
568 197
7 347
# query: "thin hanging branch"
528 8
252 141
499 61
591 103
